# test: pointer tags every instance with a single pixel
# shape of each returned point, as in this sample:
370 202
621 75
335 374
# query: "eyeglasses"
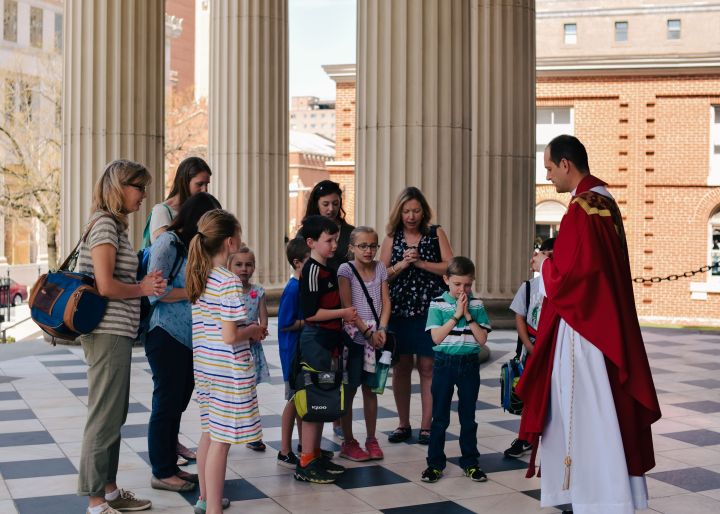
365 246
137 186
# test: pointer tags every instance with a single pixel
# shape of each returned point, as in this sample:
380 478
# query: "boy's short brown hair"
297 249
460 266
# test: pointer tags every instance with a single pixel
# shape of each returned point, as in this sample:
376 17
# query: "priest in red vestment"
588 393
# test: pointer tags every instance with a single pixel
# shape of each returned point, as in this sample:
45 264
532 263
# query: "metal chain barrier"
672 278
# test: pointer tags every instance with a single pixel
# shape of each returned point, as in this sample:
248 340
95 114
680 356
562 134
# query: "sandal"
257 446
424 436
400 434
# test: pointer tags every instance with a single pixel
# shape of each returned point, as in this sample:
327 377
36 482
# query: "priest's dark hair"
570 148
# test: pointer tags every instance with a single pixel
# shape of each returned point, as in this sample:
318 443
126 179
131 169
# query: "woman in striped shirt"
106 253
224 369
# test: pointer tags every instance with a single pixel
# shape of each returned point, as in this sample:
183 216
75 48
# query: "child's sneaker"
373 448
314 473
330 466
351 450
431 475
289 461
201 506
475 474
257 446
518 448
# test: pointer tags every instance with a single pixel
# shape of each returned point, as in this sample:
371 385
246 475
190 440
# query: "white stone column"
502 190
248 117
413 105
112 103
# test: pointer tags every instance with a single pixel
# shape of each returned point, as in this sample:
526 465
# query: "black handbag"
322 397
390 340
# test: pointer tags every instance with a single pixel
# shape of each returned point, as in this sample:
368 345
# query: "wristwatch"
381 328
468 321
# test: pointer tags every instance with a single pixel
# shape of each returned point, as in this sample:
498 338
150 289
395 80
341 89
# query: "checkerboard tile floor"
43 399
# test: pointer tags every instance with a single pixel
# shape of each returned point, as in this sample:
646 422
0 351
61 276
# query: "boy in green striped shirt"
459 326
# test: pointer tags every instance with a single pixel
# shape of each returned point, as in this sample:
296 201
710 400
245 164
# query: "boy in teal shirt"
458 325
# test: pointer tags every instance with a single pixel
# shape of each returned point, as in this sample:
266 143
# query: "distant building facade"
310 114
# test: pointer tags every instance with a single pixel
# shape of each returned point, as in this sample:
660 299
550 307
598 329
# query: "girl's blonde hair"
108 192
356 232
214 227
242 249
407 194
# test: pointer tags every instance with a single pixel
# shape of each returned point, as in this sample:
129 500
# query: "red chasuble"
588 284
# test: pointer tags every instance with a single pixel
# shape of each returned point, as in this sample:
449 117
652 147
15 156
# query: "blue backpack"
65 304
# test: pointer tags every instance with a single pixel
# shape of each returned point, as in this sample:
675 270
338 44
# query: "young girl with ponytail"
224 369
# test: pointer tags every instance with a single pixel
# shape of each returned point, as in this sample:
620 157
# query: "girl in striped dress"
224 368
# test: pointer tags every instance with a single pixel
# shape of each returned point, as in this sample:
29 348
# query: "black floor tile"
130 431
67 503
25 438
490 382
382 413
691 479
368 476
659 371
16 414
325 444
4 379
238 489
271 420
480 405
704 406
660 355
71 376
508 424
446 507
37 468
698 437
707 383
79 391
57 364
145 456
136 407
712 366
139 359
495 462
9 395
534 493
713 351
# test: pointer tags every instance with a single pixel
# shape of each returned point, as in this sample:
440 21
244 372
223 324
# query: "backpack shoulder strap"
179 255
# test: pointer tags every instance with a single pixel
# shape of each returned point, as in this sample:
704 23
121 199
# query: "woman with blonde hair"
106 253
416 254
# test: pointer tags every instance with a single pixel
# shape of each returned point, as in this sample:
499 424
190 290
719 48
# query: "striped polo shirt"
122 317
460 340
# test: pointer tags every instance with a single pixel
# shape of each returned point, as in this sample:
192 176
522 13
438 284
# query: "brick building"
639 84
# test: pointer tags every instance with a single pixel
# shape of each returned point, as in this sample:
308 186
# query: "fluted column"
112 103
413 104
248 113
502 190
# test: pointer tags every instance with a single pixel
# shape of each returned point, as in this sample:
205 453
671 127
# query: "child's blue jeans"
450 371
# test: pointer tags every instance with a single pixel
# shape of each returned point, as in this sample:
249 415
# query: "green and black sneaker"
475 474
314 473
330 466
431 475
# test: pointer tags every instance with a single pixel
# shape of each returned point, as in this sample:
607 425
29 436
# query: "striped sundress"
224 374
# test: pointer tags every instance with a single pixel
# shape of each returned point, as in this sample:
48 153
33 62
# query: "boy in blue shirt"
459 326
290 323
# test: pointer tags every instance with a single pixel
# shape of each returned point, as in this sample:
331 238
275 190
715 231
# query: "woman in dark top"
326 200
416 254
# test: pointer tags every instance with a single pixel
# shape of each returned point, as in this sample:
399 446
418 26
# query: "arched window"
547 220
714 244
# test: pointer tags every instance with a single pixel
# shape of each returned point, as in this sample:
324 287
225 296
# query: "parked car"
17 294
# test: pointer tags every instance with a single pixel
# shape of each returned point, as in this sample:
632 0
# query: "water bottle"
381 372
